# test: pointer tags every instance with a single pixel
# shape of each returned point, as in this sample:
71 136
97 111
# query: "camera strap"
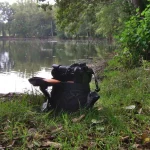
96 83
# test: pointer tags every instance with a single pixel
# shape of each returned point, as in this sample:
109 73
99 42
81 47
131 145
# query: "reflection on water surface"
20 60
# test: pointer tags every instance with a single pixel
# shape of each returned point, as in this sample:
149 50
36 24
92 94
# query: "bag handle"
96 83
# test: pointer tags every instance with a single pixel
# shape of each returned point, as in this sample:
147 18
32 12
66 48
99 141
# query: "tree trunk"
52 29
3 31
141 4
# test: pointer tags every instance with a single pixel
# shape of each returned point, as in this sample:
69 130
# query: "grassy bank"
119 120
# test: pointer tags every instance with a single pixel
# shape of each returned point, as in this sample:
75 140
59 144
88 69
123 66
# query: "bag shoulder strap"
96 83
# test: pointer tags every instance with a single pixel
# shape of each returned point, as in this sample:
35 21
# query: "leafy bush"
135 39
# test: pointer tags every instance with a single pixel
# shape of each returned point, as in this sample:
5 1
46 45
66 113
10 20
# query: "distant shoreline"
54 38
28 38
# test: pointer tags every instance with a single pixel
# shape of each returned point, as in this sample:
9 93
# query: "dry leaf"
145 138
32 131
131 107
57 129
1 134
100 129
37 143
92 144
138 107
53 144
12 144
135 146
94 121
1 147
99 108
78 119
50 137
144 135
122 148
89 145
125 139
30 145
140 111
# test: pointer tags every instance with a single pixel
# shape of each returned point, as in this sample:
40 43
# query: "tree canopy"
26 19
101 17
67 18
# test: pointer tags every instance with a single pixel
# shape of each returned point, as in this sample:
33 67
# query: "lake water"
20 60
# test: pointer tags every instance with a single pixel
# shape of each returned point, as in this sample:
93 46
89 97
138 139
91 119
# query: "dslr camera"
77 72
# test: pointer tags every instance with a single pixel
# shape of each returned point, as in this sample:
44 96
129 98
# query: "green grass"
108 126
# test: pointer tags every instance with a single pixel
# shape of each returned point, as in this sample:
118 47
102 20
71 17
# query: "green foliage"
6 12
110 18
30 21
92 18
134 40
75 17
26 19
6 15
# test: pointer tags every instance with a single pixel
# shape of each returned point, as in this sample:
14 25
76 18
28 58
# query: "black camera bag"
73 96
73 91
69 96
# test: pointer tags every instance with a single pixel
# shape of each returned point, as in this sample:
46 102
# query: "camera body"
77 72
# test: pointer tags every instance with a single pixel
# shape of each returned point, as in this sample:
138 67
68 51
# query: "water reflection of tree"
69 51
30 56
5 62
103 49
